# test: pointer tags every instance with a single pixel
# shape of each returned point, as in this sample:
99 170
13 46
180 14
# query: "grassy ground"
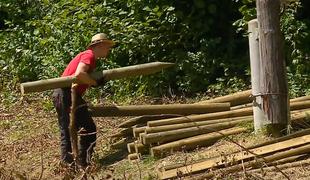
29 139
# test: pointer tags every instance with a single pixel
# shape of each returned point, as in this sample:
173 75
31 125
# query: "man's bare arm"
82 75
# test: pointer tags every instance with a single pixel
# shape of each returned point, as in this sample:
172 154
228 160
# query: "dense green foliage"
39 37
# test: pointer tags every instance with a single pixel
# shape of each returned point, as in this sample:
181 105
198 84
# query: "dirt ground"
29 139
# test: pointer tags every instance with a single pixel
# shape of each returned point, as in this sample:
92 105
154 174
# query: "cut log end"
134 156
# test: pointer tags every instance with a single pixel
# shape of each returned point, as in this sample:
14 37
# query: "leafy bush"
39 37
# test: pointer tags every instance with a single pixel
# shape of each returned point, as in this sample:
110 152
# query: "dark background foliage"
206 39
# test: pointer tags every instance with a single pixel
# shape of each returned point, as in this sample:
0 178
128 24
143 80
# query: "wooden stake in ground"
168 136
217 115
261 161
72 127
258 114
144 119
273 79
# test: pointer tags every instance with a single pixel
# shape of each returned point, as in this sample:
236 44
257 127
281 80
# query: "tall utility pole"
273 81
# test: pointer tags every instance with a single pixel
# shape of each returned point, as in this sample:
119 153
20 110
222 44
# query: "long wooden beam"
145 118
167 136
234 99
117 73
138 110
217 115
193 142
237 157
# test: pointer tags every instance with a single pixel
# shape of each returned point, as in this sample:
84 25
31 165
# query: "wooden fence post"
258 114
274 90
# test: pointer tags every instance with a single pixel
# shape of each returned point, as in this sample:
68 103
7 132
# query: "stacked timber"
177 130
287 147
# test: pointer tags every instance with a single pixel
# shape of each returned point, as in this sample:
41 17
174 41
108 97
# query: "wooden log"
167 136
134 156
217 115
209 138
138 110
244 156
194 142
141 148
117 73
298 99
234 99
138 130
126 132
300 117
131 147
259 162
144 119
156 129
288 160
121 144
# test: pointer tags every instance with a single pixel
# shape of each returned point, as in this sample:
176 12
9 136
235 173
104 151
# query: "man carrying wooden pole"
81 120
274 90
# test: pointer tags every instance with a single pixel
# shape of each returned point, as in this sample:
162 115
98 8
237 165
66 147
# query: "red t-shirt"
87 57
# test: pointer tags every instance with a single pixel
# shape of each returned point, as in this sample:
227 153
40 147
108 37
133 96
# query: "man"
80 66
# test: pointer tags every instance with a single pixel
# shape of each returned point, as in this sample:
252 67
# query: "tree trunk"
259 162
274 89
138 130
72 126
141 120
168 136
193 142
156 129
258 114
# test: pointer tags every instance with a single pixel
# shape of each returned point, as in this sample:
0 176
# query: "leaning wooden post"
72 127
258 114
273 79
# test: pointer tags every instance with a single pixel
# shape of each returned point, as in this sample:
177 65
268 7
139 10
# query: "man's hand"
84 78
100 82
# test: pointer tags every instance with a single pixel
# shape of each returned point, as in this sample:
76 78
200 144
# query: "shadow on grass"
113 158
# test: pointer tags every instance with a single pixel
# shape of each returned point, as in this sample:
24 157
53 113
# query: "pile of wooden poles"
274 153
160 130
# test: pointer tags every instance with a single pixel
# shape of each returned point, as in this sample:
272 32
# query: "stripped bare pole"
258 114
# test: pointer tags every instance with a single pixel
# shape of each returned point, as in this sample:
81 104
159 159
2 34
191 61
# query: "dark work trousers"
84 122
